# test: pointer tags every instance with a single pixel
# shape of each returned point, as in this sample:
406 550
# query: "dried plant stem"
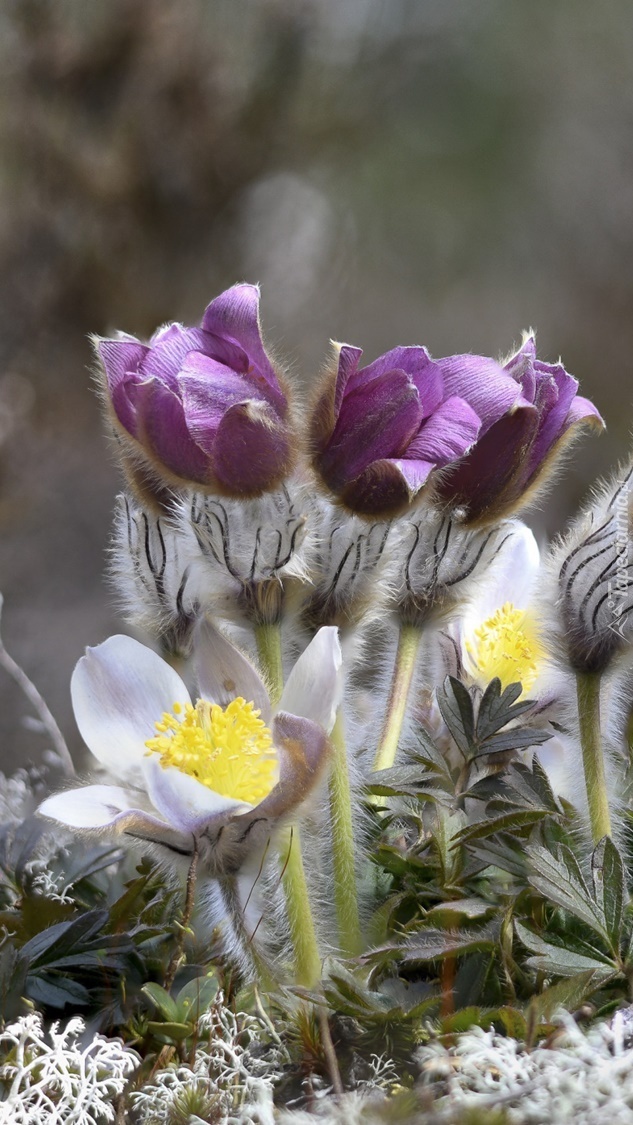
268 640
300 920
343 853
588 694
35 699
406 658
190 894
330 1053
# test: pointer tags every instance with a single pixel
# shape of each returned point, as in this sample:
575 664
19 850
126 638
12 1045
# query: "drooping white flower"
221 771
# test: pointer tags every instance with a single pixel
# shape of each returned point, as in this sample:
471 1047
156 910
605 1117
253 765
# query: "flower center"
507 645
230 751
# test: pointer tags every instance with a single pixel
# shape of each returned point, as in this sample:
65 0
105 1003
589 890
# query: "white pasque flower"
497 635
222 770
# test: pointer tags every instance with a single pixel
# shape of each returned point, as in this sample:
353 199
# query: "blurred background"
392 171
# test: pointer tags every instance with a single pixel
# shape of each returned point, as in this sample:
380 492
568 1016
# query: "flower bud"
348 563
440 562
516 452
151 569
593 567
380 433
247 548
202 406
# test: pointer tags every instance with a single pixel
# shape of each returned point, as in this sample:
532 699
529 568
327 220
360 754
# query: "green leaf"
52 991
559 961
607 871
562 883
457 710
496 710
162 1000
516 738
197 996
433 945
64 937
170 1031
463 907
523 818
568 994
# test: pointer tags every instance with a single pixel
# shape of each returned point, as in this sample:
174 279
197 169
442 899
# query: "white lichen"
55 1078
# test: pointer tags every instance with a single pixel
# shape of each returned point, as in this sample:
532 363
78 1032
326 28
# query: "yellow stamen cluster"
507 646
230 751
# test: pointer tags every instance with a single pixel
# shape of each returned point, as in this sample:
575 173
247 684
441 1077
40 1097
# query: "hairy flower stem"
190 895
406 657
268 640
300 920
302 932
343 859
588 694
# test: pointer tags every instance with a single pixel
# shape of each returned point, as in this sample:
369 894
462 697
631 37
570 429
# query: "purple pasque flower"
514 453
223 771
379 432
203 406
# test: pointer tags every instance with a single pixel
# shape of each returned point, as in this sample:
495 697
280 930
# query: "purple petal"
348 360
582 410
252 449
224 673
488 480
303 752
234 316
162 430
483 383
207 390
447 434
168 349
119 357
376 421
415 472
521 368
385 488
123 397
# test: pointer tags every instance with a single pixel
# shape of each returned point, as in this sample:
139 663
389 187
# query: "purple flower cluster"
205 407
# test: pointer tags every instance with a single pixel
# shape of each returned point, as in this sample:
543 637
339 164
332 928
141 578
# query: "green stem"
300 920
344 864
406 657
302 932
588 693
268 640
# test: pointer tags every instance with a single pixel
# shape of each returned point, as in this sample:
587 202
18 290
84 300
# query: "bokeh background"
391 171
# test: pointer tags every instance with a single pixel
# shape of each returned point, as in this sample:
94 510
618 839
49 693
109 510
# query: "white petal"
184 802
511 578
224 672
119 691
94 806
314 687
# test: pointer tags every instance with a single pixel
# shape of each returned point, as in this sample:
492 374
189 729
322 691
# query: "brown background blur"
391 171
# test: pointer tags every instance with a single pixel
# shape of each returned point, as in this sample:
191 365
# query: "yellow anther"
507 645
229 750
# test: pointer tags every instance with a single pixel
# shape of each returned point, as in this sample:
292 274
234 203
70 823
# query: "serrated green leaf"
568 994
496 708
516 738
434 944
561 882
456 706
522 818
560 961
607 871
